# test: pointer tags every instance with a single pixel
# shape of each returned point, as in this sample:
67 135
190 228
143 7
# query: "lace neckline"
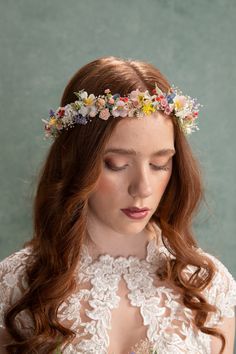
153 249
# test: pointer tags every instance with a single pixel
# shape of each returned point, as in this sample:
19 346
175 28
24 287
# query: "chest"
116 315
127 327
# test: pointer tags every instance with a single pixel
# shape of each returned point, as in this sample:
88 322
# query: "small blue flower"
79 119
170 97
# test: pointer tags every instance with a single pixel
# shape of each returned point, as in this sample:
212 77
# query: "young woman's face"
135 175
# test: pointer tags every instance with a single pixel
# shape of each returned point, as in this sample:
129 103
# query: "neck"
107 241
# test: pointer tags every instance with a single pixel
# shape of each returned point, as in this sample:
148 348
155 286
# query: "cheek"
164 182
106 186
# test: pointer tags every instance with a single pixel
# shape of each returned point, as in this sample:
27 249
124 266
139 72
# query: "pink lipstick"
136 213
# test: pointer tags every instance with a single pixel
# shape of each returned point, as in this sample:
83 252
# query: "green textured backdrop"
44 42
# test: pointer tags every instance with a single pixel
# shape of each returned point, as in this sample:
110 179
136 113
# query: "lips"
136 209
137 214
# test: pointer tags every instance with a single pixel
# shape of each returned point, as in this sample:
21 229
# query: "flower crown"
136 104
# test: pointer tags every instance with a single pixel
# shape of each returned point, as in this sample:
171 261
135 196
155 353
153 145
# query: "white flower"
10 279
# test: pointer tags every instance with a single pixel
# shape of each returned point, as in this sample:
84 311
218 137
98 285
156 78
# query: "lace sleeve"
12 280
221 293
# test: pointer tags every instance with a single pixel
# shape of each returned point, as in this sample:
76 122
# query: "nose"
140 185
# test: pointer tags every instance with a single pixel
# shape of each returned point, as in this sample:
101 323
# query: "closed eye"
155 167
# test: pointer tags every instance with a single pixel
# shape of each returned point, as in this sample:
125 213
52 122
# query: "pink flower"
136 98
107 91
136 104
189 118
59 126
164 102
167 110
111 101
120 110
134 95
104 114
100 103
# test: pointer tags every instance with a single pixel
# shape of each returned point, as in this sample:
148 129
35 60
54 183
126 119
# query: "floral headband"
136 104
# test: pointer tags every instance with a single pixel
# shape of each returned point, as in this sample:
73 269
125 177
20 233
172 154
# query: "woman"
100 275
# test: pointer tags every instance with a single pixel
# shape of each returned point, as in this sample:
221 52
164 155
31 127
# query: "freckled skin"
137 184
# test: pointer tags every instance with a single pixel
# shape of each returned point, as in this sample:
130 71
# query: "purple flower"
79 119
51 113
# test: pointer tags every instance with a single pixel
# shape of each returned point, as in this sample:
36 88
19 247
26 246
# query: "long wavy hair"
67 179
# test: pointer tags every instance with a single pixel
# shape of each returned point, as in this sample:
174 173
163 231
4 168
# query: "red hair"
67 179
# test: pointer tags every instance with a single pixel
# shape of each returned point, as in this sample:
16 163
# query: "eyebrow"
162 152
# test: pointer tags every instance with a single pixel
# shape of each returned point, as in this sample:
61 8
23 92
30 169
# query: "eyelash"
117 169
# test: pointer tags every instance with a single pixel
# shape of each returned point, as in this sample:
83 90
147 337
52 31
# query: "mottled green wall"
44 42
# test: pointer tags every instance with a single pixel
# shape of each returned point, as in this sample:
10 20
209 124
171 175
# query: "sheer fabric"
111 290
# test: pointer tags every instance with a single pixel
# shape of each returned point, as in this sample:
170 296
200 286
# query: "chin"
133 229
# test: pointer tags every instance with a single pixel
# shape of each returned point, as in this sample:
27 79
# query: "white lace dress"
91 311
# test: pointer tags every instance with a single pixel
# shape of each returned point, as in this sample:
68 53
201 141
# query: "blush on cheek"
106 185
164 182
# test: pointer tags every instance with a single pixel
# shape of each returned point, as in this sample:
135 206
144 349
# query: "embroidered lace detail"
88 311
143 347
13 283
221 293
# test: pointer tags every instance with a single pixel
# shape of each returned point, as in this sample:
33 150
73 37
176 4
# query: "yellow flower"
88 101
140 98
52 121
178 105
179 102
148 108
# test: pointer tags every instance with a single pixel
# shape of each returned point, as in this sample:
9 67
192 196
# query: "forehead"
144 135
